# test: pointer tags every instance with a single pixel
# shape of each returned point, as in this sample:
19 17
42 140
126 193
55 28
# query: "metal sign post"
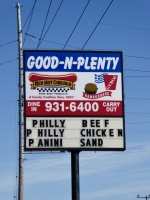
75 176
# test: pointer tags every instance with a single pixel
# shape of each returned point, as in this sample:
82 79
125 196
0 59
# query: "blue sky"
103 175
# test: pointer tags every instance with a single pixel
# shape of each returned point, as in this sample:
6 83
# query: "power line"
137 98
105 154
45 21
7 10
132 98
30 19
78 48
138 130
8 101
117 170
136 70
8 43
77 23
97 24
8 61
137 57
43 11
139 123
90 21
136 76
27 18
138 148
65 16
122 26
139 113
49 41
50 24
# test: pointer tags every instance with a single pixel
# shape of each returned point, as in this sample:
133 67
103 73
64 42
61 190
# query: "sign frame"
77 116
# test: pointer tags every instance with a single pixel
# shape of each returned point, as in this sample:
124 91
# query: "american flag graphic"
99 78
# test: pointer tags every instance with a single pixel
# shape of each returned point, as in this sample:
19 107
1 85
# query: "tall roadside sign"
73 100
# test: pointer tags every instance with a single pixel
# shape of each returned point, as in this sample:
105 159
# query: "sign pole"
21 109
75 175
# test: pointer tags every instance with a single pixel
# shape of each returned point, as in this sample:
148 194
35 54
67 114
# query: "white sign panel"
68 87
77 133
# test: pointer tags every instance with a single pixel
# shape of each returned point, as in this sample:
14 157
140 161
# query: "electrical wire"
105 154
97 155
48 40
45 21
139 113
122 26
136 76
33 36
30 35
88 168
138 123
8 101
137 57
133 98
137 130
43 11
97 24
136 70
31 14
27 19
7 10
9 61
8 43
90 21
28 16
50 24
77 23
138 148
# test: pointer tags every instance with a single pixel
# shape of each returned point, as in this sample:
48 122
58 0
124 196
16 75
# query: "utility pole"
21 109
146 197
